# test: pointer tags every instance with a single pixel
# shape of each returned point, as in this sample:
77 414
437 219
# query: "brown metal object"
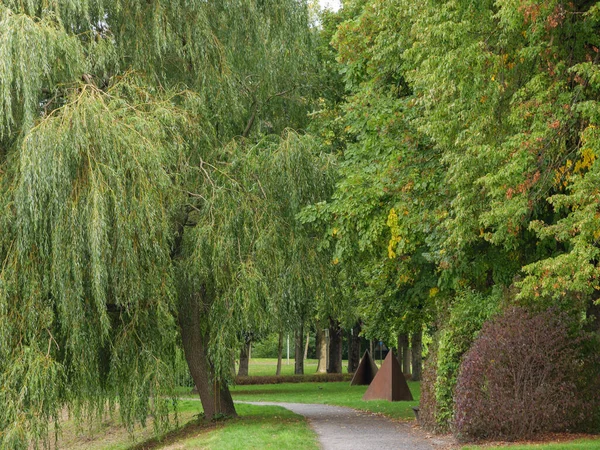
367 369
389 383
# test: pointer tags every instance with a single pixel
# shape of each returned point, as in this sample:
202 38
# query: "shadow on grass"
189 430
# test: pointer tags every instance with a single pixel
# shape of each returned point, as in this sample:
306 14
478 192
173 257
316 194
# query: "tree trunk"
244 359
299 352
335 347
593 314
399 349
321 343
279 353
403 350
306 345
215 397
354 348
417 355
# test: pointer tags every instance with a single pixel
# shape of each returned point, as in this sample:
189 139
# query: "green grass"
257 427
334 393
579 444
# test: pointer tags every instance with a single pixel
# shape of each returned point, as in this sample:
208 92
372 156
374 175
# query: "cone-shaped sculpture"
367 369
389 383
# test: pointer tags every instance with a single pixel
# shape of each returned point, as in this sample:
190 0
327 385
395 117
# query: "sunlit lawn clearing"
268 366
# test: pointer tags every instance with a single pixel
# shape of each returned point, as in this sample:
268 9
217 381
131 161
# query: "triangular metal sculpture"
366 371
389 383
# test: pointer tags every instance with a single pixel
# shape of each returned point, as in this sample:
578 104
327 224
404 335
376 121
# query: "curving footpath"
345 428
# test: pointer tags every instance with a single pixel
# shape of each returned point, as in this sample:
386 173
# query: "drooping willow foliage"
133 173
86 279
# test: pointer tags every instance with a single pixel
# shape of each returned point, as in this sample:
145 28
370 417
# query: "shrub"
468 314
522 377
266 347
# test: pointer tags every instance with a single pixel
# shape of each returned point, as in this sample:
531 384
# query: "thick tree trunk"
244 359
299 352
335 347
417 355
354 348
321 343
279 353
404 360
215 397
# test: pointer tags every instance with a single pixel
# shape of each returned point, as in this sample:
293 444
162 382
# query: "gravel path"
348 429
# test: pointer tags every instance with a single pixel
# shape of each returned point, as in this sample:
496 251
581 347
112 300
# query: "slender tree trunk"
335 347
399 349
321 344
593 314
354 348
215 397
306 345
299 352
417 355
279 353
244 359
403 349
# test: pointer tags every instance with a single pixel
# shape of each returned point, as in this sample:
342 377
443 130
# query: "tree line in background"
195 176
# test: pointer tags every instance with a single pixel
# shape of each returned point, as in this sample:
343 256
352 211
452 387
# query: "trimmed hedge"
312 378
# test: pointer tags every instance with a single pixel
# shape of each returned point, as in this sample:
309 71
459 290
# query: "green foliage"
468 313
467 163
35 55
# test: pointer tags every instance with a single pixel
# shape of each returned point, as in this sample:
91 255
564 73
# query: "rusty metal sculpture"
367 369
389 383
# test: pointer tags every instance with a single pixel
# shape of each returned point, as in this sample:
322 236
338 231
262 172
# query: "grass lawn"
332 393
257 427
579 444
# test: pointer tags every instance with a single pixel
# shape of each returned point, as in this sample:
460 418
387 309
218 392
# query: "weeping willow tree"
245 261
141 208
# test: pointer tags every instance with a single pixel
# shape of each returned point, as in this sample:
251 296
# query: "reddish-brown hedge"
523 376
